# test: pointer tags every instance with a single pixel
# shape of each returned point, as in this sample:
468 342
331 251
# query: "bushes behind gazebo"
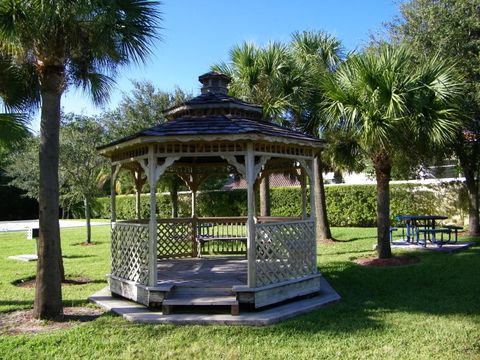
347 205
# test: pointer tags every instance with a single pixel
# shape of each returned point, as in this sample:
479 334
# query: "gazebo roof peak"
214 100
214 82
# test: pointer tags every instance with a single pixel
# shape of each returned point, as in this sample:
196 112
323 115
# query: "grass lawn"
428 310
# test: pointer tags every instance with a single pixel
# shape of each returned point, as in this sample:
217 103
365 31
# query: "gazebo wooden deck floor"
218 272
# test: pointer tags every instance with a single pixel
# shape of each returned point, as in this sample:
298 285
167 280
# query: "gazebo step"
201 291
201 300
198 300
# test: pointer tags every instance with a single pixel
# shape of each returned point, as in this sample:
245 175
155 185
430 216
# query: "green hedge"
347 205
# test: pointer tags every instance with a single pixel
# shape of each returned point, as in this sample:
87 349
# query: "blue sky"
199 33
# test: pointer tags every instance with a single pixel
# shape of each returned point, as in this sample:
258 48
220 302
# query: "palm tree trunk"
322 226
265 196
383 168
473 204
468 162
86 203
48 290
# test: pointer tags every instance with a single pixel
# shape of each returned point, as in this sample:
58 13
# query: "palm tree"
391 104
69 43
265 76
316 54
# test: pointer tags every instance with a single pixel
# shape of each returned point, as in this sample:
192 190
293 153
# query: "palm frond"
13 129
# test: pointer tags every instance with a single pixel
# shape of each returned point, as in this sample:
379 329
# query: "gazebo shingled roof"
217 124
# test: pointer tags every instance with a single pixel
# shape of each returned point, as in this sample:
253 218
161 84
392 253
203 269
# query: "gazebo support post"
313 182
154 171
152 225
250 177
194 222
304 194
113 193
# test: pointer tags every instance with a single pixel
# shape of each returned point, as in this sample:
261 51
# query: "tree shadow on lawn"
339 241
77 256
345 252
440 284
24 304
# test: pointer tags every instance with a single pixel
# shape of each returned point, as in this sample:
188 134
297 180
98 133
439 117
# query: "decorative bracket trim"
232 160
158 170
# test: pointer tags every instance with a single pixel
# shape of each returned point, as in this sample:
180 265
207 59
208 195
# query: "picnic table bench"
203 239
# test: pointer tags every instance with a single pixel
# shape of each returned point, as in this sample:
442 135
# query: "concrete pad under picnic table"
446 248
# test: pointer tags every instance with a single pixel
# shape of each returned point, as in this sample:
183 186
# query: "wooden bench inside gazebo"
228 261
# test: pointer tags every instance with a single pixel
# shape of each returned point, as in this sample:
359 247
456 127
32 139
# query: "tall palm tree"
392 104
316 53
69 43
265 76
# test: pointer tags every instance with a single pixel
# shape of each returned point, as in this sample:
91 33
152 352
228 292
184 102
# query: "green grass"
429 310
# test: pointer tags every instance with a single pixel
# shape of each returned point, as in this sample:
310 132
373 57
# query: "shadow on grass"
440 284
93 243
77 256
15 303
353 239
349 252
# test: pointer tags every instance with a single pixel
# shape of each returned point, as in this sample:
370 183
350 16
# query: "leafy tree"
23 167
452 28
81 170
392 105
69 43
143 108
81 167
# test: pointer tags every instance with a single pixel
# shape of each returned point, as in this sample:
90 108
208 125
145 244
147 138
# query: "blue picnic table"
418 225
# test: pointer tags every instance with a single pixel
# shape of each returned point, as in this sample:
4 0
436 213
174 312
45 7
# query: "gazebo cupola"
268 259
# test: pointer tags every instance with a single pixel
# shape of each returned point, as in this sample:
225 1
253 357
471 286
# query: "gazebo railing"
284 251
175 238
129 251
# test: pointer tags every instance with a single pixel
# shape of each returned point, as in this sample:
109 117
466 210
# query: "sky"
198 33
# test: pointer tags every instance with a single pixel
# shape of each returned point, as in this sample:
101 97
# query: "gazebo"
264 260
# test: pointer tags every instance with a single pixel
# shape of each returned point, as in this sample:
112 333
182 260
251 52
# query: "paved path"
22 225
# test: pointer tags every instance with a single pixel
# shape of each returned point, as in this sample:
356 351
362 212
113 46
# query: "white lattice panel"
174 240
130 252
284 251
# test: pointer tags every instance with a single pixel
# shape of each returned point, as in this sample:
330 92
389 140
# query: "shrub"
347 205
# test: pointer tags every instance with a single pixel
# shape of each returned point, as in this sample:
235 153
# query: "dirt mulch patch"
31 281
23 322
394 261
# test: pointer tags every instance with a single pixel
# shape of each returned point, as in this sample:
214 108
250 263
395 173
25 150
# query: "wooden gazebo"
162 261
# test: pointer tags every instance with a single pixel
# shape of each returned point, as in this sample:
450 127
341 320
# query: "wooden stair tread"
200 300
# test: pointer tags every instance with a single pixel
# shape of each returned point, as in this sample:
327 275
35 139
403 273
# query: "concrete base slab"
25 257
447 248
141 314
